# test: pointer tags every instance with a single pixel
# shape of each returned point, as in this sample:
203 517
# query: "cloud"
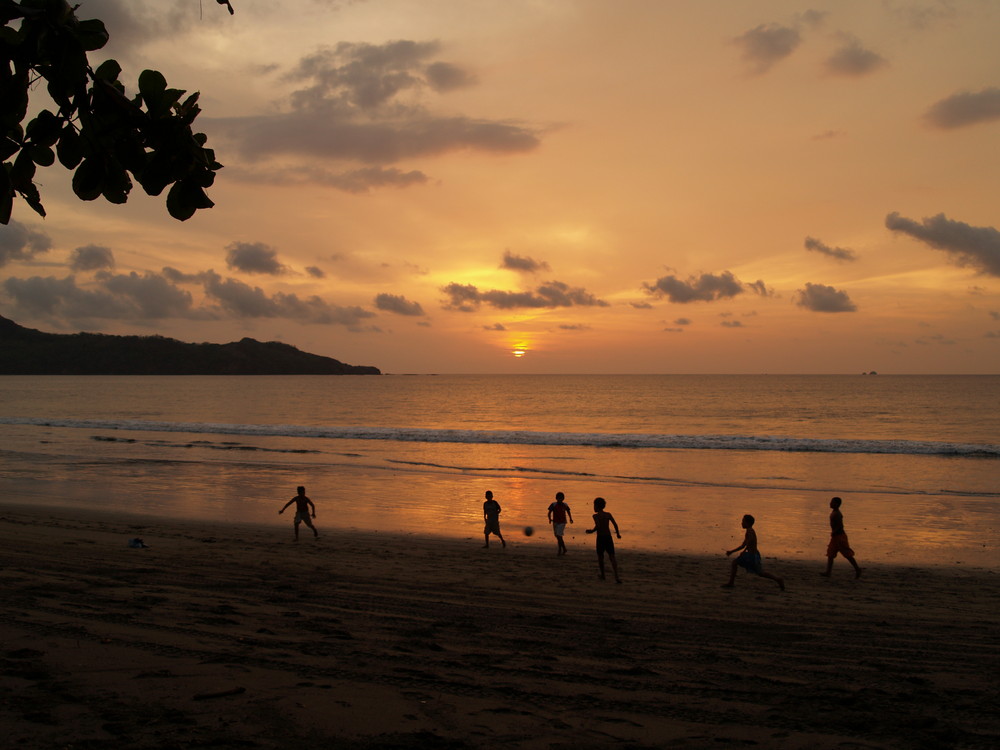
854 60
551 294
254 257
828 135
244 301
19 242
822 298
731 324
963 109
995 314
397 304
767 44
363 102
574 327
838 253
316 273
355 181
495 327
152 295
641 305
682 322
975 247
91 258
704 288
118 297
522 264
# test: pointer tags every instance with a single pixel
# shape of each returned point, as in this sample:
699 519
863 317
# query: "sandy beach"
236 636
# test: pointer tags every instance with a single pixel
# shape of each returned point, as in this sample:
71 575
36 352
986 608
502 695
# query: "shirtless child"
750 557
302 506
603 521
838 540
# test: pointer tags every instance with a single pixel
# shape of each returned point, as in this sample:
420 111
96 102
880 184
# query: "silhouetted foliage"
25 351
92 127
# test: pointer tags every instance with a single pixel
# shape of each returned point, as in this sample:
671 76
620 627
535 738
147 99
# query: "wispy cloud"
551 294
838 253
398 304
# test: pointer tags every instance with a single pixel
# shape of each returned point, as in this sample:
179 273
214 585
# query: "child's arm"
550 514
615 524
731 551
313 506
591 531
286 505
569 513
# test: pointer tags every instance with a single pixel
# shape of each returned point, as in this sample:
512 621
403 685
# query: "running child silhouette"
603 521
302 506
750 557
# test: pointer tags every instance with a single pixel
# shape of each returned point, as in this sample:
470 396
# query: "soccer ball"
528 531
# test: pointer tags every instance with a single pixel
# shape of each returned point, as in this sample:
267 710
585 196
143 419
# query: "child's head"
489 495
748 521
560 497
835 503
599 503
301 490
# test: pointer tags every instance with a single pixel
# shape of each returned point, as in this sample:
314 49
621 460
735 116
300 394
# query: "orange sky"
635 186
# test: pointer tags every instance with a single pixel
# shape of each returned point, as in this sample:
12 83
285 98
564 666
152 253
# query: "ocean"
679 458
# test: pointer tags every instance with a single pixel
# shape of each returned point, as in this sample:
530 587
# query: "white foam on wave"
525 437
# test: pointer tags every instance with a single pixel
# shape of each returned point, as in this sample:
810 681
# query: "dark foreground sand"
226 637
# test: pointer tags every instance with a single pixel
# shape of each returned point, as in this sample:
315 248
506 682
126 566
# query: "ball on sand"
528 531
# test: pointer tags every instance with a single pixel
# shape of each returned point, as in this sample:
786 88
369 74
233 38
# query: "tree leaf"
70 148
109 70
88 180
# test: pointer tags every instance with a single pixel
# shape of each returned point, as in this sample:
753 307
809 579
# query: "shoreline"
232 635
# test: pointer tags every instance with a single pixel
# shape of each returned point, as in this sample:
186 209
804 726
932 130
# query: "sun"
519 353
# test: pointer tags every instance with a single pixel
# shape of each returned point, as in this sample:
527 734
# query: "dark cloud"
682 322
395 303
966 108
254 257
551 294
574 327
731 324
767 44
704 288
316 273
495 327
822 298
19 242
179 277
674 330
995 314
118 297
838 253
153 296
975 247
854 60
361 102
641 305
444 76
522 264
244 301
91 258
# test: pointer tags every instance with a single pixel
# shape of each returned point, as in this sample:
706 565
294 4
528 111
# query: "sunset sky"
628 186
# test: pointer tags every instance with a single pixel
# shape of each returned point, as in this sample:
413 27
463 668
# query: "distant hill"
25 351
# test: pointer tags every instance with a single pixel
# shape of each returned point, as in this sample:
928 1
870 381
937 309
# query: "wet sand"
237 637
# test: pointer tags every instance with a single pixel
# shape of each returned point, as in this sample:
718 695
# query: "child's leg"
600 563
732 576
614 566
857 568
829 564
779 581
297 529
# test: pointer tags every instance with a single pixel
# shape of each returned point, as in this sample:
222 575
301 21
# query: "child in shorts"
749 559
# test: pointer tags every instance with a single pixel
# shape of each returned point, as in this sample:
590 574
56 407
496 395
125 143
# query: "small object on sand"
528 530
137 543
